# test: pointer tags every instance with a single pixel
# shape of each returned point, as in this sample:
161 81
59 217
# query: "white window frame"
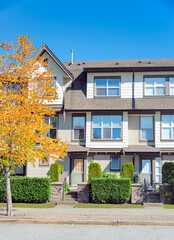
49 122
78 139
118 159
112 127
41 163
107 87
146 129
171 127
154 86
171 85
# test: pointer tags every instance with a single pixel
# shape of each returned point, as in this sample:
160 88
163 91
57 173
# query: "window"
15 87
19 170
52 133
44 162
107 87
167 127
115 163
107 127
146 124
155 86
171 86
79 127
158 170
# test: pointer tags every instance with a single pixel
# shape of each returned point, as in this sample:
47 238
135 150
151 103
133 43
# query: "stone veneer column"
56 191
137 193
83 192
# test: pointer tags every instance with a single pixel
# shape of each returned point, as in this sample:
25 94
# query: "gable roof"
45 48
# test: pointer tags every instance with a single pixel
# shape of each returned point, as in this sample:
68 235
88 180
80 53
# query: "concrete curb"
87 222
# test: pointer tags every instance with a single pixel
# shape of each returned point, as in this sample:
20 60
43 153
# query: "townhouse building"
112 112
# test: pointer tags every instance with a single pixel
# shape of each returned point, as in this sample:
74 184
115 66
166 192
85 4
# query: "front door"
77 176
146 172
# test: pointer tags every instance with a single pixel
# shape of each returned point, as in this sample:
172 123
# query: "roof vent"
78 64
116 63
83 63
72 51
149 62
139 62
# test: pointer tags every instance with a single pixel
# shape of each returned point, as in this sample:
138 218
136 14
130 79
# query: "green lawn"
168 206
29 205
95 205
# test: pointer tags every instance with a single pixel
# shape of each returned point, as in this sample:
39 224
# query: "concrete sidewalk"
151 216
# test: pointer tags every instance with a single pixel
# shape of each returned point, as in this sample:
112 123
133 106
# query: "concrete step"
66 202
70 199
151 205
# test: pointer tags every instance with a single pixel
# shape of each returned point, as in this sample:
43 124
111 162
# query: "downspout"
133 87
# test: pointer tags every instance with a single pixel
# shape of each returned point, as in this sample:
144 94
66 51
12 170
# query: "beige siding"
59 78
133 130
137 164
126 159
104 161
65 127
167 158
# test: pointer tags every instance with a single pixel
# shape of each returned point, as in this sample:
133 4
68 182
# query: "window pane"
114 163
101 92
113 82
166 133
53 133
96 133
46 120
97 121
78 122
149 91
149 82
146 134
146 122
116 133
160 81
53 121
172 91
166 120
160 91
113 91
101 83
107 121
107 133
172 81
116 121
79 134
19 170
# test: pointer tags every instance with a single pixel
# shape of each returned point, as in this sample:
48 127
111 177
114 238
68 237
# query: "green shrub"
27 190
127 171
172 186
167 172
109 175
67 187
55 170
94 171
110 190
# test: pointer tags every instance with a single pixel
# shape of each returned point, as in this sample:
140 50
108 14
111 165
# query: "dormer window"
107 86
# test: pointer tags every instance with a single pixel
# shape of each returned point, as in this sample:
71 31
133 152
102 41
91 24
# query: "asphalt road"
82 232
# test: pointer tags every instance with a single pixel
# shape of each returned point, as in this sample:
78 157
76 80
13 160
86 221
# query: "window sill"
109 97
107 140
166 140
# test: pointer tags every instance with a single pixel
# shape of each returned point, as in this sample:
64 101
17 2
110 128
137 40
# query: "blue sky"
96 30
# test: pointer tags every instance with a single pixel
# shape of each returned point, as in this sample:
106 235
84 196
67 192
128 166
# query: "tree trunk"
8 191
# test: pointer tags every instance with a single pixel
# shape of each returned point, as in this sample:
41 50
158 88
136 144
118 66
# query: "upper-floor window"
78 127
146 126
107 126
167 127
52 133
171 86
107 86
155 86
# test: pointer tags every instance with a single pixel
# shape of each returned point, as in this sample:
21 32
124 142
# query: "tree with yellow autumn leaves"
26 89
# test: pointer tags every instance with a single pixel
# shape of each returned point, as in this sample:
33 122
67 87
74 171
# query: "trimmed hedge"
167 172
110 175
110 190
27 190
94 171
55 170
127 171
172 186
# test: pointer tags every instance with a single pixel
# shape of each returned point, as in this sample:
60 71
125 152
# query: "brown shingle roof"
141 148
133 63
163 103
76 100
77 148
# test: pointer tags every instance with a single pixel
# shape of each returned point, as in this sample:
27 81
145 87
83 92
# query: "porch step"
70 196
66 203
152 197
152 205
